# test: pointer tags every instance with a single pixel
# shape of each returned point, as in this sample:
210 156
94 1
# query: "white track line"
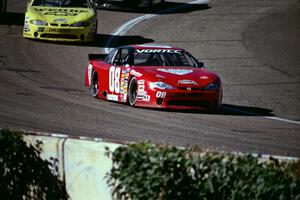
128 25
267 117
283 120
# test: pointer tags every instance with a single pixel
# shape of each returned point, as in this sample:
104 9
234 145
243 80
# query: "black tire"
132 91
94 86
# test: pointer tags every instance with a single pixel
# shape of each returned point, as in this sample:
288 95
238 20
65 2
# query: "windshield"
164 58
61 3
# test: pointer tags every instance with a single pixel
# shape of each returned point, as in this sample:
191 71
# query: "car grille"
63 25
188 103
46 35
189 88
186 95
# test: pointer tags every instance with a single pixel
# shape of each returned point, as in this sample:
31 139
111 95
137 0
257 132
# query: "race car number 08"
114 79
160 94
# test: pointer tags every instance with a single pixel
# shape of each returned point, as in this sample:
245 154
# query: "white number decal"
90 67
114 79
160 94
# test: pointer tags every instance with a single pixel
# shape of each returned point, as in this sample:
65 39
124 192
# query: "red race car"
154 76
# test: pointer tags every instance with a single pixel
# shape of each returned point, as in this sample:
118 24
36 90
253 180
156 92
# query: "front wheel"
132 91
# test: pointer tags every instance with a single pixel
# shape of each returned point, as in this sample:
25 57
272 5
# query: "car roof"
153 46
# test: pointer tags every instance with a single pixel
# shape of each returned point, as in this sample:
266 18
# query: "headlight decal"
160 85
39 22
211 87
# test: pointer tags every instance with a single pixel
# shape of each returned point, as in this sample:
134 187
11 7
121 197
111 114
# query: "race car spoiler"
97 56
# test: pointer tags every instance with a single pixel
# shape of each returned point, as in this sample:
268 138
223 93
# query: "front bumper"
61 33
183 100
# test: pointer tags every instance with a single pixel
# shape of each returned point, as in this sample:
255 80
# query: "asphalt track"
253 45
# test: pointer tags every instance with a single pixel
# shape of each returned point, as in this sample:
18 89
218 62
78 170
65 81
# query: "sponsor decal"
139 97
176 71
135 73
123 85
26 25
60 12
59 30
141 93
160 76
112 97
141 82
141 87
187 82
143 97
146 98
158 51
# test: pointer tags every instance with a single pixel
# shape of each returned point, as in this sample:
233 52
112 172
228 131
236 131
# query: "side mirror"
200 64
125 62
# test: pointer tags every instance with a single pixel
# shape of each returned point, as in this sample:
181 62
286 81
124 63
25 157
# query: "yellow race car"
60 20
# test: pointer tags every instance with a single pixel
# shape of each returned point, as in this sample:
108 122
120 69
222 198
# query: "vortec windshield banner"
60 12
157 51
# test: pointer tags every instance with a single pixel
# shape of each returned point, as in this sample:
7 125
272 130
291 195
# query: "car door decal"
114 79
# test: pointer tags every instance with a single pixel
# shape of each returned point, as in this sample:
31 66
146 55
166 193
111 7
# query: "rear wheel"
94 87
132 91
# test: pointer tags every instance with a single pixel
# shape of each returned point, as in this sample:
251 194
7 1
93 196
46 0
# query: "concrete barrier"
82 164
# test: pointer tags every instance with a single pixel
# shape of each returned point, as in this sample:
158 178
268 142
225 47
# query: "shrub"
148 172
23 174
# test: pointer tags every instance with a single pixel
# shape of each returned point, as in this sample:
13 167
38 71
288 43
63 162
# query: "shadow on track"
244 111
166 8
117 40
101 41
10 18
226 109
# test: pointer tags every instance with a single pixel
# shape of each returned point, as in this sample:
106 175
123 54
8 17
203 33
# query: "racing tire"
94 86
132 91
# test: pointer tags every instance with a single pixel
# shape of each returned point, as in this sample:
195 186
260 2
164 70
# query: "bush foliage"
23 174
148 172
